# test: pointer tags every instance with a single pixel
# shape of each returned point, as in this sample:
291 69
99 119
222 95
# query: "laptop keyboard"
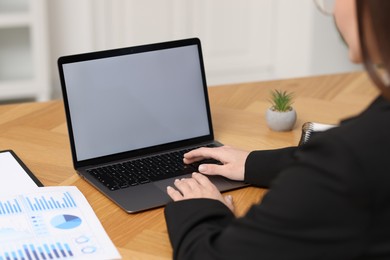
145 170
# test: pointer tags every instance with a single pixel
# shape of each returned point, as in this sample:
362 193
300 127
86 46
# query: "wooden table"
37 132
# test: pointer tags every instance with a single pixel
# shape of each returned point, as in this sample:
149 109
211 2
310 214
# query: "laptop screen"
133 101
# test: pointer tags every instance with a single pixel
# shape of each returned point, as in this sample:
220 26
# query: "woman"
328 199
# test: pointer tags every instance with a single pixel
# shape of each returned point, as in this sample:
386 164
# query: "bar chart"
10 207
56 250
43 203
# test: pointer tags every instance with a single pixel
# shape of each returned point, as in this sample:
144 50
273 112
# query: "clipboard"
14 174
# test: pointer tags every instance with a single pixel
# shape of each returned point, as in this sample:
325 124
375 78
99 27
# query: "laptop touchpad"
221 183
162 185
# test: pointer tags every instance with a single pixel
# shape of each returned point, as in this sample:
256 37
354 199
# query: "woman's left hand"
199 186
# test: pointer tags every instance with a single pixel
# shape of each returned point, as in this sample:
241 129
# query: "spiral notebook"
309 129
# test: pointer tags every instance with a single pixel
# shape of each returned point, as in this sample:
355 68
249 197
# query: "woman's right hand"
233 161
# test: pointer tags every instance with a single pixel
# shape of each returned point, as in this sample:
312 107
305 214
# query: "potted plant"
281 116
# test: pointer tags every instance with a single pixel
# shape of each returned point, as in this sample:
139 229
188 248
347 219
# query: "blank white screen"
129 102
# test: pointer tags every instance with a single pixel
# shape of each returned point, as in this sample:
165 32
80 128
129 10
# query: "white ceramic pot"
281 121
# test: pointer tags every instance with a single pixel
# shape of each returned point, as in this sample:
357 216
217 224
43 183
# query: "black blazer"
328 199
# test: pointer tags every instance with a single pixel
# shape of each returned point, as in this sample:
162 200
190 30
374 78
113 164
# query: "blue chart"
43 203
55 250
9 207
65 221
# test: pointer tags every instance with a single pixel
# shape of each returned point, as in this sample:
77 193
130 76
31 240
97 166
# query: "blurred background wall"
242 40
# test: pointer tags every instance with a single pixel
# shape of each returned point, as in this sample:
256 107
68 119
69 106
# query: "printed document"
51 223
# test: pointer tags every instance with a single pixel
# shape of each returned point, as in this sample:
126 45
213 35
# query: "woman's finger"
201 154
202 180
174 194
229 202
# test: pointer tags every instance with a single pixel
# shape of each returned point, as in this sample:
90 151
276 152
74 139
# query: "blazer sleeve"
315 209
270 162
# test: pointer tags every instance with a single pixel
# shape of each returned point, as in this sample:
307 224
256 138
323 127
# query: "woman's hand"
199 186
233 161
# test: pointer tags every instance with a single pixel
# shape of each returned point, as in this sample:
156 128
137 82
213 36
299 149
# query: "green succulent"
281 100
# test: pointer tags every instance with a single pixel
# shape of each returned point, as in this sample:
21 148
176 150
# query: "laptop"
131 115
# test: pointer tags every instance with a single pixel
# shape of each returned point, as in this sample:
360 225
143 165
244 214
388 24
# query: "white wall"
329 53
286 38
308 42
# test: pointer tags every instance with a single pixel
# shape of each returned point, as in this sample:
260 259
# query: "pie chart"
65 221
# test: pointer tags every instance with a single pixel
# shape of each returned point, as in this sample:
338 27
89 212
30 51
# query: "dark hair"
374 31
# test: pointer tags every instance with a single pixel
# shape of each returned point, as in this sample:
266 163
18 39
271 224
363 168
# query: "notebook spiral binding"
309 128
